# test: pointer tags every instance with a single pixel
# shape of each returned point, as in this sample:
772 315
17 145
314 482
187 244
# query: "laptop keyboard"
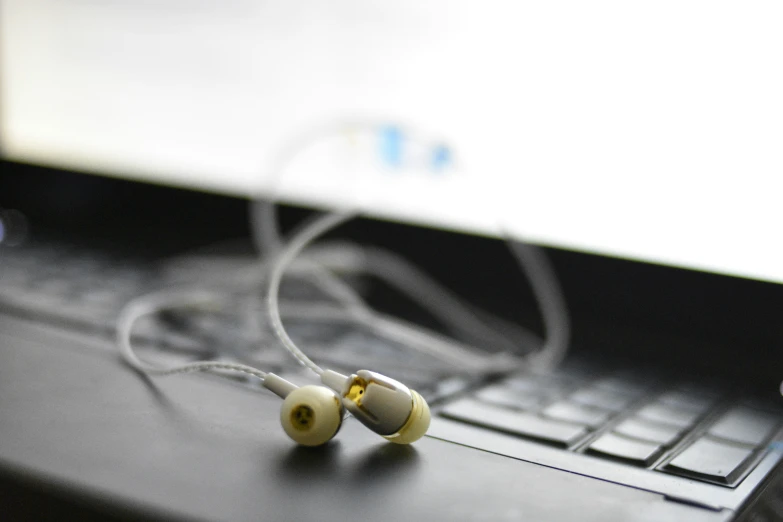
85 290
70 285
681 431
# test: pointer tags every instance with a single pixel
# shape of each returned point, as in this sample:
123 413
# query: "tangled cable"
320 265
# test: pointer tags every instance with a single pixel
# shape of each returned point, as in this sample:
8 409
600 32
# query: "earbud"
310 415
387 407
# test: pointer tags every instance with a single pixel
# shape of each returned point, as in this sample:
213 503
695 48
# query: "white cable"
406 278
158 302
412 282
264 227
397 272
551 302
534 264
266 238
390 327
307 235
263 220
448 350
413 336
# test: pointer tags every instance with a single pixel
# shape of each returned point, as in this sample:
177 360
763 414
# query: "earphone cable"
310 232
551 302
447 350
155 303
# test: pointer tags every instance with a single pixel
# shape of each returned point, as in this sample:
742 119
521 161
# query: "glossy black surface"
78 425
73 425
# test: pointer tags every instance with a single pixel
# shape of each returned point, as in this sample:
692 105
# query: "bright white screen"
646 130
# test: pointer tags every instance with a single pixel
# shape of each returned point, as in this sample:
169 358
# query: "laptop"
133 137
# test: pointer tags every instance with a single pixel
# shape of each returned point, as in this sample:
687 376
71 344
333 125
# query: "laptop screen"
646 131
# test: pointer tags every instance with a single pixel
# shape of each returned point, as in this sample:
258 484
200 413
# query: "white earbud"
310 415
387 407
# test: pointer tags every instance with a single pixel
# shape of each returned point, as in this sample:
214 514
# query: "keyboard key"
508 397
708 389
711 459
635 451
575 370
744 425
602 398
576 413
666 414
542 386
645 430
685 400
620 384
518 423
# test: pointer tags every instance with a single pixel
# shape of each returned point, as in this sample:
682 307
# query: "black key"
576 413
508 397
710 390
574 371
635 451
620 384
666 414
518 423
685 400
710 459
543 386
524 383
602 398
650 431
744 425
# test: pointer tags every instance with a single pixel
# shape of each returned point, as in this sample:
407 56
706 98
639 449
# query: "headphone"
310 415
313 414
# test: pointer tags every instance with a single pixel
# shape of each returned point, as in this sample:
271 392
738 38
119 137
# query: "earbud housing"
310 415
384 405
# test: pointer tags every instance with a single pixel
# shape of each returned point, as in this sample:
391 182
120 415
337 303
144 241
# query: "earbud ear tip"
417 424
311 415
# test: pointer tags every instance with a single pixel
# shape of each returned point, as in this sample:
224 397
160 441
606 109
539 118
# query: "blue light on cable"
440 158
391 141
